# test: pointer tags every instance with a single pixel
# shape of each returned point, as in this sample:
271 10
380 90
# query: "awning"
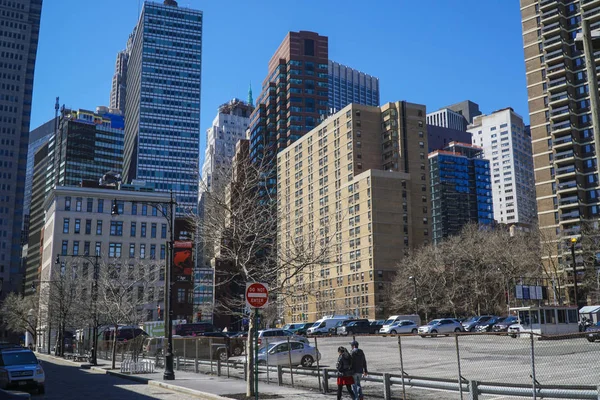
589 309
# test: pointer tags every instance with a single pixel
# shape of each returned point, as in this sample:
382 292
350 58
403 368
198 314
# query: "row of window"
116 228
114 250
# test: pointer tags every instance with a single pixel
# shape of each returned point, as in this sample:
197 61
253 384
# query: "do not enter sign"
257 295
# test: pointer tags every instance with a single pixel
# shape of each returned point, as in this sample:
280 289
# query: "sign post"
257 296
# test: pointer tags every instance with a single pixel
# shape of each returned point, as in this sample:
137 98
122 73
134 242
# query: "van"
392 319
322 326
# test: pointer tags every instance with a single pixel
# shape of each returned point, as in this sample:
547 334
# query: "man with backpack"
359 368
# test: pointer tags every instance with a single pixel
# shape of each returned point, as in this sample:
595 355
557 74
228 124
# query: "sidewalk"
203 386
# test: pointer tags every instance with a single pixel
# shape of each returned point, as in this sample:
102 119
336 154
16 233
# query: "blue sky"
434 52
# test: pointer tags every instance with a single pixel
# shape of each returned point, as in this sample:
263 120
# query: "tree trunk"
250 357
114 347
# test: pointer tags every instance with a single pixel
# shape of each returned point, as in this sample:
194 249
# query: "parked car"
360 326
323 325
440 326
270 334
186 347
502 324
19 368
124 333
336 328
377 325
279 353
470 324
404 326
234 345
409 317
303 328
486 326
194 329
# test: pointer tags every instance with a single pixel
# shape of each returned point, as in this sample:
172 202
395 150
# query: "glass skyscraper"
162 118
347 85
461 190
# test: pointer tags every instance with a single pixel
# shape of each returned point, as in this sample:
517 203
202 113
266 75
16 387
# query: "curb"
193 392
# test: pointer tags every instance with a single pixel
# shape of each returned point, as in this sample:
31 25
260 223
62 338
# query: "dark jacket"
359 362
344 364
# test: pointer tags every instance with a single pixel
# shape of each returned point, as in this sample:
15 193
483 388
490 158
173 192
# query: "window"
65 248
163 251
131 250
78 202
98 248
181 295
88 226
142 250
132 230
152 251
154 211
163 231
77 225
75 247
99 227
116 228
66 225
90 205
68 203
100 206
144 209
143 230
133 208
114 250
86 248
153 230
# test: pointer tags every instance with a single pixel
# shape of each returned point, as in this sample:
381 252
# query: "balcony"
554 56
562 127
547 4
592 15
572 231
564 172
559 99
569 201
567 186
551 29
550 15
556 71
569 216
560 113
557 84
562 142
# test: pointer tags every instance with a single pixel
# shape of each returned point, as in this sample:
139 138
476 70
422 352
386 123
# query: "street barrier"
128 366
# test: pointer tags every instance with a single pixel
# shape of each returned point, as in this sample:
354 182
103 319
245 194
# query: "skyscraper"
447 118
563 132
461 190
347 85
118 91
507 145
20 22
162 108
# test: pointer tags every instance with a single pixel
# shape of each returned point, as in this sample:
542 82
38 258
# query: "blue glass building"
162 107
461 189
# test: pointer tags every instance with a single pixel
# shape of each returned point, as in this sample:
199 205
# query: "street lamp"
169 373
96 257
416 300
573 241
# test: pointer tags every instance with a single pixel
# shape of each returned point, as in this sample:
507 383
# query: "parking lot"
482 358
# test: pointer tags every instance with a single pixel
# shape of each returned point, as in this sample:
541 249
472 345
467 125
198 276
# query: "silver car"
280 353
442 326
404 326
20 369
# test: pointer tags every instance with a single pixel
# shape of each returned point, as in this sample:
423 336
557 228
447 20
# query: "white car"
404 326
442 326
279 353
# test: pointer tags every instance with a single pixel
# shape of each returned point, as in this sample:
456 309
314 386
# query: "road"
65 381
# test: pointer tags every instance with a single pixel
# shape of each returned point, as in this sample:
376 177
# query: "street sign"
257 295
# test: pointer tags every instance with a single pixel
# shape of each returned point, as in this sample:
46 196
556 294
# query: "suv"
335 329
19 368
194 329
198 347
355 327
270 334
470 324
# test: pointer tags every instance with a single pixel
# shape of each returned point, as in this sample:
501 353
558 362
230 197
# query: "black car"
361 326
303 328
194 329
377 325
334 330
503 324
486 326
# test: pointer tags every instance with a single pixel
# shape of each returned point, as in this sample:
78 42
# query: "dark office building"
439 137
19 27
461 190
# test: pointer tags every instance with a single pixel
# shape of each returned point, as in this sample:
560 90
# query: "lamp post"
573 241
96 257
416 300
169 373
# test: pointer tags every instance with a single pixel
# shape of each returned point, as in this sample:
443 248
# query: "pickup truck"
361 326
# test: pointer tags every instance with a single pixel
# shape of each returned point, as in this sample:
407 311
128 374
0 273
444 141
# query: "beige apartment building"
561 101
358 186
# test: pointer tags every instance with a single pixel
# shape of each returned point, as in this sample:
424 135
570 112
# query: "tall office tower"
86 146
118 91
347 85
358 184
468 109
229 126
162 119
447 118
20 22
461 190
507 145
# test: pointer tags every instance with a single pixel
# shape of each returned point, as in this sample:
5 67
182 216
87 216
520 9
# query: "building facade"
440 137
162 120
506 143
447 118
461 189
347 85
79 225
118 90
468 109
19 26
358 184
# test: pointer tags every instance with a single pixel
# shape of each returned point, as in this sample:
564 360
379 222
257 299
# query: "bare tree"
239 223
123 294
20 314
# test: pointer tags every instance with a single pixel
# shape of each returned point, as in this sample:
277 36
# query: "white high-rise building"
447 118
506 142
228 127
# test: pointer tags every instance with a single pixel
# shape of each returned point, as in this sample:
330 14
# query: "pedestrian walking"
344 369
359 369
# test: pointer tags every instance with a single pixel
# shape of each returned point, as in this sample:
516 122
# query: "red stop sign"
257 295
